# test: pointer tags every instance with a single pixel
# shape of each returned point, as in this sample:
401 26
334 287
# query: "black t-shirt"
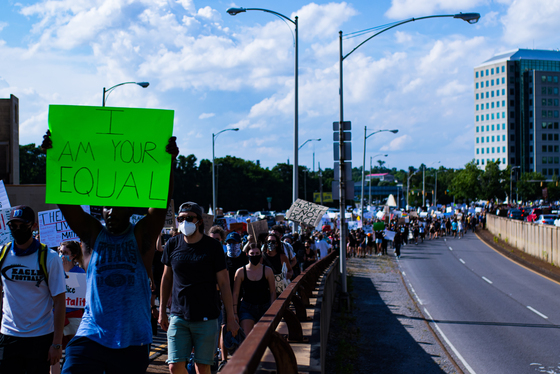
194 268
234 263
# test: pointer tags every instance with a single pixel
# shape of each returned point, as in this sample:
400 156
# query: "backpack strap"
43 251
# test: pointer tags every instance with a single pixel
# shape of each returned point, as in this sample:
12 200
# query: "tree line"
244 184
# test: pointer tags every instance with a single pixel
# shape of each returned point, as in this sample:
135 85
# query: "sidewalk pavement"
385 332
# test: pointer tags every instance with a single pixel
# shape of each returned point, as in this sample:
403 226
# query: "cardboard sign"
76 287
54 229
4 200
108 156
389 235
170 221
238 226
258 227
413 214
208 221
5 233
306 213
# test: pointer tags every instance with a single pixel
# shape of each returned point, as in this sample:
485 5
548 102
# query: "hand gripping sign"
108 156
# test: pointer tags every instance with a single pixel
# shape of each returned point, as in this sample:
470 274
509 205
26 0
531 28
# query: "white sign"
5 233
76 286
4 200
306 213
54 229
170 216
389 235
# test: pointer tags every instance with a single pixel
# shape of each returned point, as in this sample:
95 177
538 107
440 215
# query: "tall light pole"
107 92
408 187
364 166
304 143
470 18
214 136
235 11
424 184
370 172
511 182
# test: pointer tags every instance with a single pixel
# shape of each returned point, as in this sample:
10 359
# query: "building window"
555 102
503 103
482 150
482 139
476 128
503 138
555 114
492 149
492 70
476 118
544 148
476 140
492 127
487 117
550 148
512 138
488 150
477 85
476 74
556 125
512 149
531 148
543 78
492 92
482 73
503 114
544 160
531 137
503 70
476 106
487 105
556 137
477 150
487 128
482 161
543 102
555 79
503 126
543 90
477 161
556 148
550 78
486 72
512 114
550 114
492 82
497 104
481 128
544 125
544 136
504 150
477 96
550 160
492 115
487 95
550 102
492 105
543 171
497 92
543 114
512 160
498 149
492 139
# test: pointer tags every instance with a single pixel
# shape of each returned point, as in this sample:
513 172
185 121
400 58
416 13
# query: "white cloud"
417 8
397 144
323 21
209 13
206 115
529 21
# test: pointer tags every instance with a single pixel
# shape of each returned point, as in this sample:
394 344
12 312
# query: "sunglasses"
187 218
17 225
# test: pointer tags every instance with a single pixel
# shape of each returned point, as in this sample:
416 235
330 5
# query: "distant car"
546 219
243 212
534 214
515 214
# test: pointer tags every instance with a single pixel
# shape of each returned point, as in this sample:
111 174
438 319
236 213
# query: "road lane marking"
463 262
467 366
537 312
403 273
450 248
415 294
487 280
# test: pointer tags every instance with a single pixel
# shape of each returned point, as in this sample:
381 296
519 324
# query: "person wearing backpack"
34 301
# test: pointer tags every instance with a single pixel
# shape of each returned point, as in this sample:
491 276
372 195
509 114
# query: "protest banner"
108 156
54 229
238 226
368 229
5 233
389 235
258 227
76 287
413 214
4 200
96 212
353 225
401 221
170 216
306 213
208 220
378 226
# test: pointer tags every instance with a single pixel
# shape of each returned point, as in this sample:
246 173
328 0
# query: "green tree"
529 186
466 182
493 183
32 165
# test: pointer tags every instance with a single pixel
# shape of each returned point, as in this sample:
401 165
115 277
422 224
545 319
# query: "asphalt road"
493 315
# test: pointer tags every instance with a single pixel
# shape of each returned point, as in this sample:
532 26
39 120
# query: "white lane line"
487 280
450 248
537 312
403 273
463 262
415 294
467 366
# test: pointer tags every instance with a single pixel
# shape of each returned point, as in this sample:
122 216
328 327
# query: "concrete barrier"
540 241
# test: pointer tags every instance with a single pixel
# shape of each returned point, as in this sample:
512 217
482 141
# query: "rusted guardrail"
248 356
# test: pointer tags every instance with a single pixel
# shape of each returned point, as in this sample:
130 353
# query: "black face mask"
22 235
255 259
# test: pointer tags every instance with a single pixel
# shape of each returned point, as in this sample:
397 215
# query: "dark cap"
22 213
234 236
191 207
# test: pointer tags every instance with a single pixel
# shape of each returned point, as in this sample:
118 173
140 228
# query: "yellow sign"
327 197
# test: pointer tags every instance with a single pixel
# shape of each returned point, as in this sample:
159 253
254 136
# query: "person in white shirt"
322 247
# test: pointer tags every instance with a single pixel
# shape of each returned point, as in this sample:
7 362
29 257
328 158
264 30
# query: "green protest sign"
108 156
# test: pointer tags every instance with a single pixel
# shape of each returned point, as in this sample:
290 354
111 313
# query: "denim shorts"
252 311
183 336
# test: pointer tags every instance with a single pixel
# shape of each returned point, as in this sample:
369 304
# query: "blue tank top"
117 312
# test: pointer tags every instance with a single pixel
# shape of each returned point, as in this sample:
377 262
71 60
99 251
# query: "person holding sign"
194 265
33 284
115 331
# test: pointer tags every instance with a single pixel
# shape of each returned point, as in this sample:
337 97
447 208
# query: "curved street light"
468 17
107 92
424 183
307 141
235 11
214 194
364 167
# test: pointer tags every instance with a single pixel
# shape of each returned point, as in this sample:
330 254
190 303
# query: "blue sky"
217 71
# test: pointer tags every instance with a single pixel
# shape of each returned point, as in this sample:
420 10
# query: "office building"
516 110
9 140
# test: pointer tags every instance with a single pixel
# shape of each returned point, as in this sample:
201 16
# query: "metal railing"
249 355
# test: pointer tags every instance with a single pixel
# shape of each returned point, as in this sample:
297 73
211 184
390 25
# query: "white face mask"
233 250
187 228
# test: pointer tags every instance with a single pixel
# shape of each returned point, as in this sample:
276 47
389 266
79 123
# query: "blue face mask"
67 257
233 250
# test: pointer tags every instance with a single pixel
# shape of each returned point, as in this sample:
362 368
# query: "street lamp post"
511 182
214 136
470 18
424 184
364 166
106 92
235 11
371 172
304 143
